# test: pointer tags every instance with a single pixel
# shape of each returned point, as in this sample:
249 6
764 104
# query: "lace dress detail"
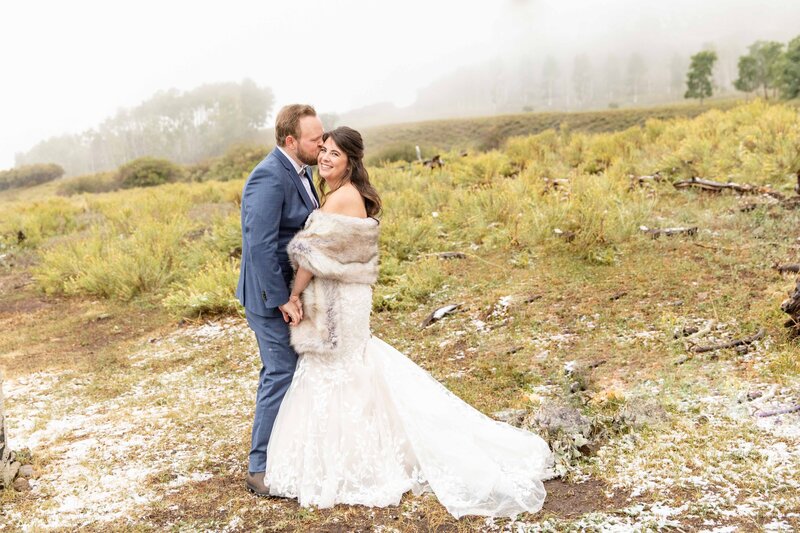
362 424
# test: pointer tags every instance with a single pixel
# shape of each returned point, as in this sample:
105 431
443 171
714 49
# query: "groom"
276 201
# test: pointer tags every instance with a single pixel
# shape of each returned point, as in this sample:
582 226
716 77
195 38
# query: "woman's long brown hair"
349 141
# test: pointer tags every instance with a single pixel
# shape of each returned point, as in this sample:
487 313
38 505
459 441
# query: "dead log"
451 255
717 186
434 162
568 236
791 306
791 203
438 314
655 233
784 411
789 267
730 344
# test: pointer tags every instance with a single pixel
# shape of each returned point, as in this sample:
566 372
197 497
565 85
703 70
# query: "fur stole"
342 253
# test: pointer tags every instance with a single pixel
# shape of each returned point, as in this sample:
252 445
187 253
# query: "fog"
69 65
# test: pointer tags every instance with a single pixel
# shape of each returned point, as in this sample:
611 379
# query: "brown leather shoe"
255 484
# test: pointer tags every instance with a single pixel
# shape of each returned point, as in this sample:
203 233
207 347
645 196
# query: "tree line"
770 69
184 127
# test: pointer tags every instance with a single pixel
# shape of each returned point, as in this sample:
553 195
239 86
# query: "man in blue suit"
276 201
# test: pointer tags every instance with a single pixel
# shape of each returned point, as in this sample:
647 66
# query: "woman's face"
331 162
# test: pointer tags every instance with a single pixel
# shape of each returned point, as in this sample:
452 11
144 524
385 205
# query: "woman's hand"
295 298
292 312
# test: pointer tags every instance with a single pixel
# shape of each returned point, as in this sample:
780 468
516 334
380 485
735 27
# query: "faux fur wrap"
342 253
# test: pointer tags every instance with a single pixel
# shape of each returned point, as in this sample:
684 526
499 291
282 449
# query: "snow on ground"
714 465
97 455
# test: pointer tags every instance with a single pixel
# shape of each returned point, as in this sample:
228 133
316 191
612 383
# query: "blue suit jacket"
275 206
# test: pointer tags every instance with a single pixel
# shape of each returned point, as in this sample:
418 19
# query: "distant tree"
582 78
761 68
182 126
549 78
790 74
637 69
698 79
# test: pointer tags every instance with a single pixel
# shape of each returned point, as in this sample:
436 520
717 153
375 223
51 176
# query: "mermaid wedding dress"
362 424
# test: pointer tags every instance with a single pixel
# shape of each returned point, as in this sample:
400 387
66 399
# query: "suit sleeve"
262 215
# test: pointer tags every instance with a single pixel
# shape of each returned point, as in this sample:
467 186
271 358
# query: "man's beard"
305 157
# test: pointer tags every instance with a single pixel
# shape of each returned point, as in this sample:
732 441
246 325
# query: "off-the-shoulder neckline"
320 212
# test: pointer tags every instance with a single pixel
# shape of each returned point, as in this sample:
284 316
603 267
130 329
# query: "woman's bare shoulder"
346 200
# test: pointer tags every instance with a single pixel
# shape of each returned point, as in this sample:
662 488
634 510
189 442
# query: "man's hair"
288 121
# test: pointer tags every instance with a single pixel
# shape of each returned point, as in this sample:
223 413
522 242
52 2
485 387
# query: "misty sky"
68 65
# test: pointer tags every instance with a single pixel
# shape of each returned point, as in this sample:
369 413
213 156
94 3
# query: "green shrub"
148 172
414 286
29 224
480 169
29 175
90 183
236 164
111 265
210 291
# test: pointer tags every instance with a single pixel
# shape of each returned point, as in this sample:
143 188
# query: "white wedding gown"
362 424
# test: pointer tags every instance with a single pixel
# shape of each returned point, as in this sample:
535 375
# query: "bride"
361 423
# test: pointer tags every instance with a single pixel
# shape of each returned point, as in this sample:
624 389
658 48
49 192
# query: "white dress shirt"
301 171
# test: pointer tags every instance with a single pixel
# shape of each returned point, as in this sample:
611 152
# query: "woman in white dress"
361 423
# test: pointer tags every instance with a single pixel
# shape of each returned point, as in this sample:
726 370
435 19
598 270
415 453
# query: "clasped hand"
292 310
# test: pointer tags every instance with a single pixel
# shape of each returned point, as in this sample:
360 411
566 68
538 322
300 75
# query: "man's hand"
291 312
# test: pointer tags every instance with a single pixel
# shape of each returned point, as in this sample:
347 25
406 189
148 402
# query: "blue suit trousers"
278 361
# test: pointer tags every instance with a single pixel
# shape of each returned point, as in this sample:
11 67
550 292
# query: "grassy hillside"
484 133
128 364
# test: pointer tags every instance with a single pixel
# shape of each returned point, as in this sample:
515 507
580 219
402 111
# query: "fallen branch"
730 344
791 203
716 186
438 314
791 306
689 338
784 411
451 255
568 236
434 162
669 232
789 267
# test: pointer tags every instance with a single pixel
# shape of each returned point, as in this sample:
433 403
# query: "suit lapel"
295 177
